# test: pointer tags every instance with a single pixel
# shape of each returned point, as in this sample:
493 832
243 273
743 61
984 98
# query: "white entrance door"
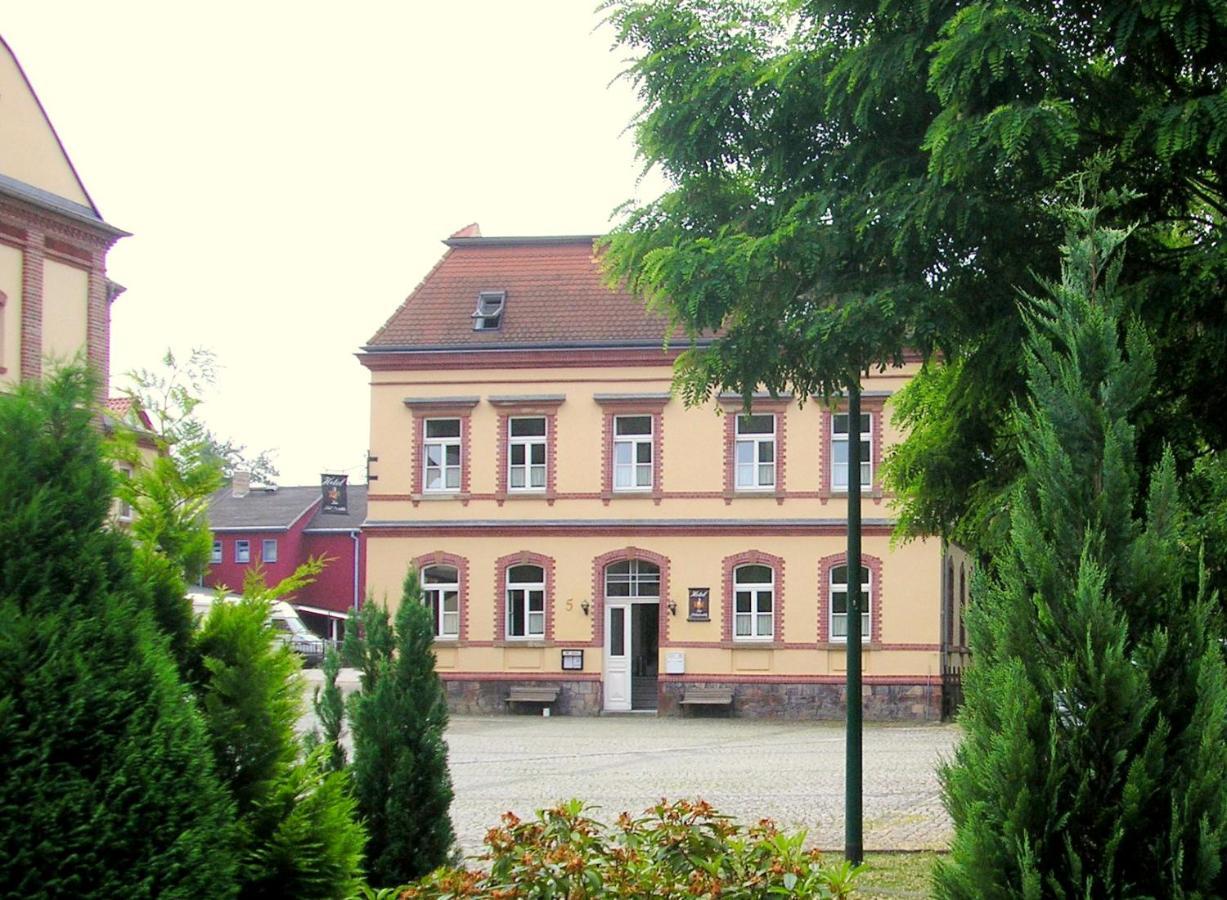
618 657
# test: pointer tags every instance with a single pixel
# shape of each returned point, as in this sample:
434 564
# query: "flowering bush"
675 850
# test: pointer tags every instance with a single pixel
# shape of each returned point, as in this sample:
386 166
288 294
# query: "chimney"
240 483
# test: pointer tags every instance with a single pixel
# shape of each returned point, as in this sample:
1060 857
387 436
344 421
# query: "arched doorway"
632 635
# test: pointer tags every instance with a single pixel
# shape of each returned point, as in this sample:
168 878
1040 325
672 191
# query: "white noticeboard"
675 663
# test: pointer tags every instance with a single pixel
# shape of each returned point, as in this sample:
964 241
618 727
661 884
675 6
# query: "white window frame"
435 596
488 316
528 594
216 556
754 444
839 470
632 469
528 468
642 580
441 445
752 619
264 554
242 551
834 587
124 511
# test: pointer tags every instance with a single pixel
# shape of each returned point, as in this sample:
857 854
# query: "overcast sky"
288 170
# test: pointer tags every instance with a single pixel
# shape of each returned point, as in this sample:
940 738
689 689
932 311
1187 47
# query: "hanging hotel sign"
700 605
336 494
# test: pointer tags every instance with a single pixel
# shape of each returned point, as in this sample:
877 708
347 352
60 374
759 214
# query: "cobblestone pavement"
791 772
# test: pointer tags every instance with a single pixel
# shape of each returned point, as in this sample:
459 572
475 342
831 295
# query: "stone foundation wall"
472 697
751 700
881 702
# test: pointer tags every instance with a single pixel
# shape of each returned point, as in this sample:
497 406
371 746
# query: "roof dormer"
489 313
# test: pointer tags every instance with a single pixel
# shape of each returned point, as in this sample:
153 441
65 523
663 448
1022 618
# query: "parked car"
289 627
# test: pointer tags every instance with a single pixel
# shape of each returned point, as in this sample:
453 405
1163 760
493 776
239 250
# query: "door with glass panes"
632 646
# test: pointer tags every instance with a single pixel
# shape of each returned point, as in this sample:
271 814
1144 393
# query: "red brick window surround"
754 486
729 567
630 407
522 597
519 447
872 405
440 410
826 566
437 585
601 563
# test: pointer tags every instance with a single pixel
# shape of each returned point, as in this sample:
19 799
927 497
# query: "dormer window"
489 313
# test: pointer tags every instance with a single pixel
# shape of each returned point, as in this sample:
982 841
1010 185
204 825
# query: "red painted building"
279 529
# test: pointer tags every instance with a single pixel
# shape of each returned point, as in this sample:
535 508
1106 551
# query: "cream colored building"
579 529
54 294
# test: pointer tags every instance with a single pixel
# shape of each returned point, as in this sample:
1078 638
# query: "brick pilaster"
98 328
32 304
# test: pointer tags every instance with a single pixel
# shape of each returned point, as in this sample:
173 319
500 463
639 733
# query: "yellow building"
579 529
54 294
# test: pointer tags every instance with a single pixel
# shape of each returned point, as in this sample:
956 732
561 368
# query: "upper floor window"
756 451
217 552
839 451
526 457
268 550
753 603
839 602
441 456
632 578
441 594
526 602
242 551
632 458
489 313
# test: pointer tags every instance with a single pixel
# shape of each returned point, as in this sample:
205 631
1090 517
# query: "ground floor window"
441 594
754 603
526 602
839 602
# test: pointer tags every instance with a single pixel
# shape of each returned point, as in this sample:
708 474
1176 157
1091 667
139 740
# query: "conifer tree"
108 786
1095 756
299 831
400 773
329 708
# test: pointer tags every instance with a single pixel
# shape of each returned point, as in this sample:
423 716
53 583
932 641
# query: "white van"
289 626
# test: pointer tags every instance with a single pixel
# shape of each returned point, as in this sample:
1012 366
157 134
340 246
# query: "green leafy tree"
1095 755
397 718
171 395
849 179
300 836
170 492
108 788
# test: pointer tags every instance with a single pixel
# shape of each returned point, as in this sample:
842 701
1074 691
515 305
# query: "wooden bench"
527 694
707 696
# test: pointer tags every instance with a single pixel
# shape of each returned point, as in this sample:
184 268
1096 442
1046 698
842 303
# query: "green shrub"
397 718
299 832
107 788
675 850
1094 762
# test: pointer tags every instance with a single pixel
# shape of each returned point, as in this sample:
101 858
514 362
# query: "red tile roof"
128 410
556 295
